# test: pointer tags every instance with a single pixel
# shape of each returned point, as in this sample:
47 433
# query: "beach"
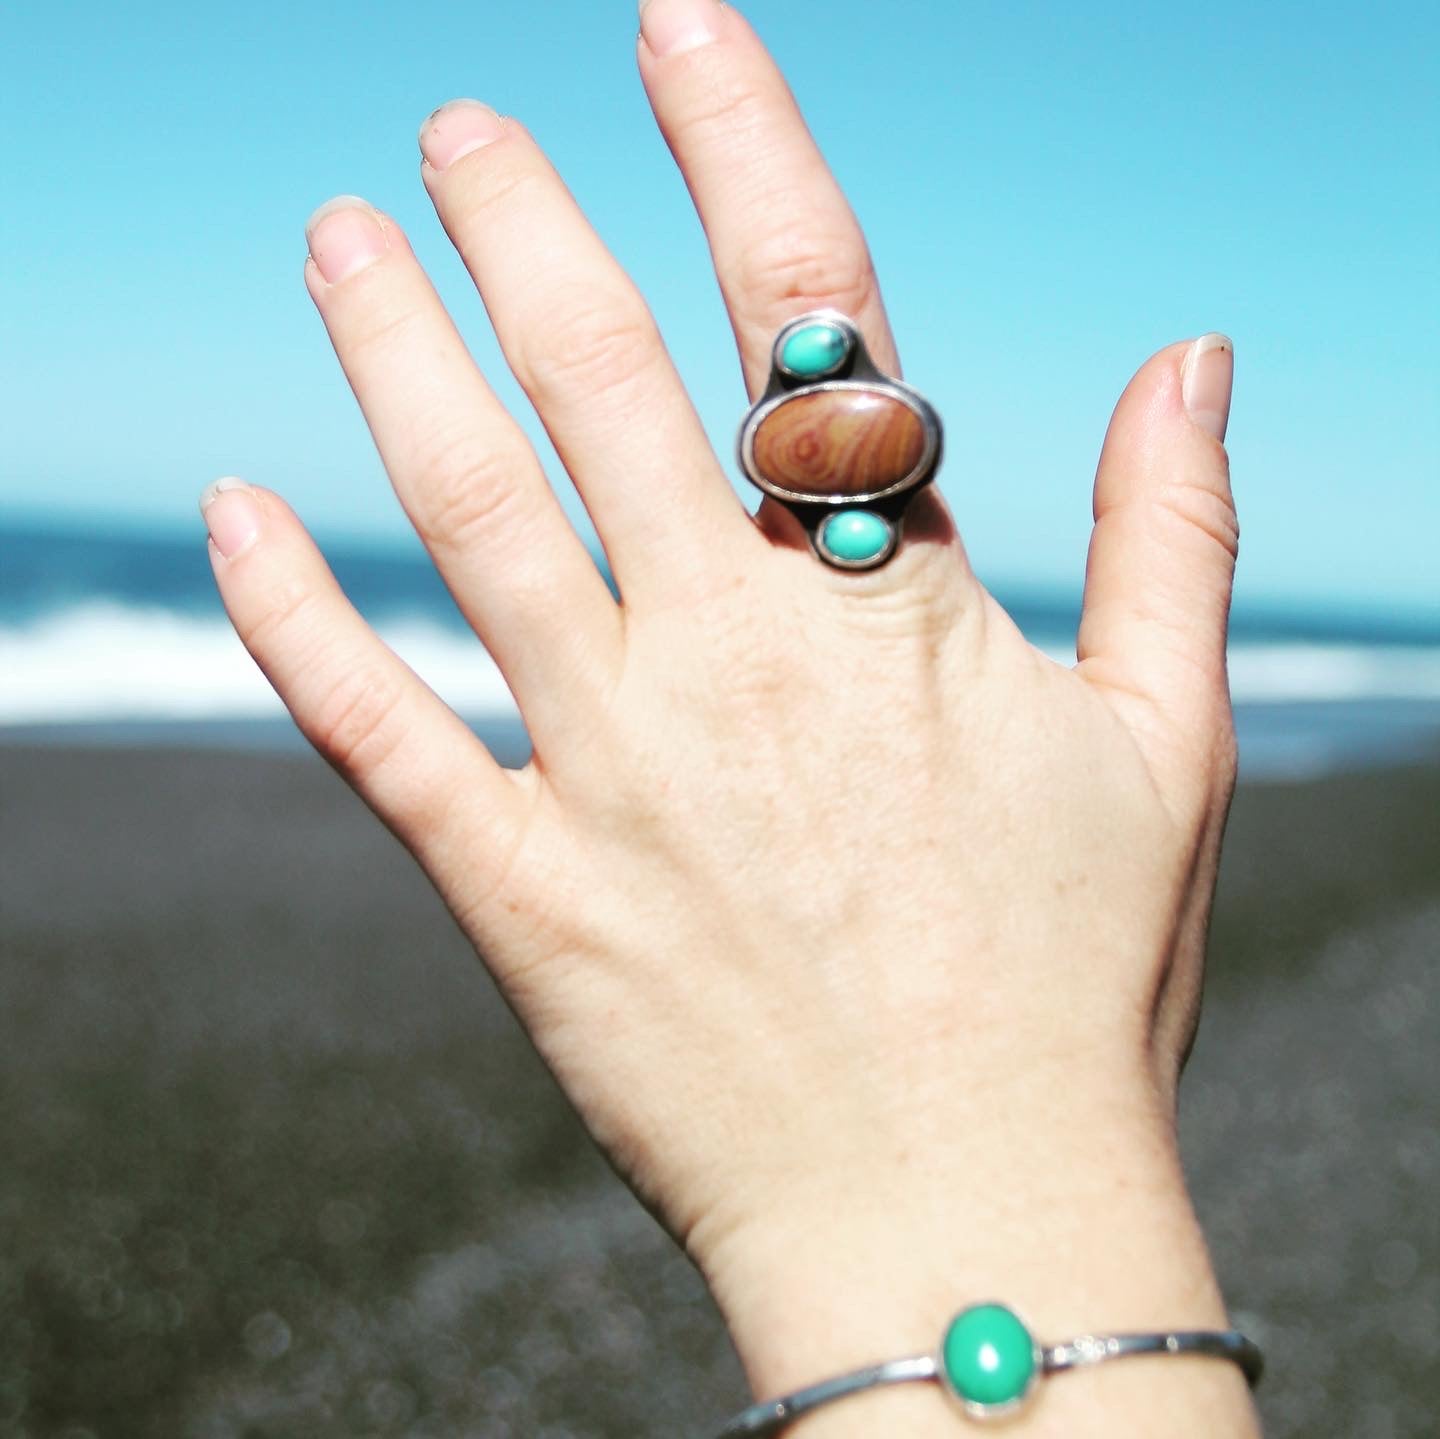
278 1162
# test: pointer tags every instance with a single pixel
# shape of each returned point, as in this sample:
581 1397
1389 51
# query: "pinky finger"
397 744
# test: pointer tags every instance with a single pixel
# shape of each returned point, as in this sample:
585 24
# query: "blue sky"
1051 191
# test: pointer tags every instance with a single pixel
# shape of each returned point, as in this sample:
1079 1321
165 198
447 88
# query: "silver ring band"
775 1415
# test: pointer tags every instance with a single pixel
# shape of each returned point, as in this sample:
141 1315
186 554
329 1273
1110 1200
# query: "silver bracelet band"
989 1364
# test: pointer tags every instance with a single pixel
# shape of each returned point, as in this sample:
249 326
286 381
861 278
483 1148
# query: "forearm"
1069 1208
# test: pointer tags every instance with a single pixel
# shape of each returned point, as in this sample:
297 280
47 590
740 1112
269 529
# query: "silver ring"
841 444
989 1364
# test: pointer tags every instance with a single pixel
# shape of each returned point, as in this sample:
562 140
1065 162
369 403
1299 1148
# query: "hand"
866 939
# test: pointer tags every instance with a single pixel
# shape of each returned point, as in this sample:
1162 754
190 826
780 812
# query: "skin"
866 939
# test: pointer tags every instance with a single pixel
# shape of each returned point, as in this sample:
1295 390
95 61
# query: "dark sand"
277 1162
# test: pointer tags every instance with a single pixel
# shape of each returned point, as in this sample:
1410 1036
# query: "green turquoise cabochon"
813 351
988 1356
855 536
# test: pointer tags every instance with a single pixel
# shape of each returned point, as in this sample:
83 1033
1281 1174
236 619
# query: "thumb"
1162 560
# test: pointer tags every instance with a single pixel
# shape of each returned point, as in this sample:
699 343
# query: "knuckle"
354 726
285 608
798 269
488 188
722 101
1207 512
468 491
727 107
596 348
377 332
1206 758
1225 758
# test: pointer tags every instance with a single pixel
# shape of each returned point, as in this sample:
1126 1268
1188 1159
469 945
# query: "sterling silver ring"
841 444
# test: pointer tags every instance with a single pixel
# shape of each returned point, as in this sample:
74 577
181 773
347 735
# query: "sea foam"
105 661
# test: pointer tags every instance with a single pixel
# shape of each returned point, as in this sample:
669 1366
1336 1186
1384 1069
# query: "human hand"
857 930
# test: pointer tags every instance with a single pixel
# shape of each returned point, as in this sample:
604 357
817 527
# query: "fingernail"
1206 379
673 26
457 128
231 515
344 236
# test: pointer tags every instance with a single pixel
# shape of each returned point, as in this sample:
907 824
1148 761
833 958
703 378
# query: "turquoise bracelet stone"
989 1358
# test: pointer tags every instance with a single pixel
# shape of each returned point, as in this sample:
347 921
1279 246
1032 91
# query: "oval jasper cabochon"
852 441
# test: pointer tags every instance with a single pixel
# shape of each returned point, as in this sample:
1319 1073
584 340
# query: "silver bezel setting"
806 322
839 561
859 373
923 468
988 1413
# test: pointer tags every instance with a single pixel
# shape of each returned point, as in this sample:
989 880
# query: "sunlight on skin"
865 938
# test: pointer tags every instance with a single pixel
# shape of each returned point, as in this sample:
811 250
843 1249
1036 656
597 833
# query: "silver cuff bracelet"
989 1364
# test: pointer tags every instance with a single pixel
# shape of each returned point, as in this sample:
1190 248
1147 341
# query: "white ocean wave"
1290 673
1270 672
106 662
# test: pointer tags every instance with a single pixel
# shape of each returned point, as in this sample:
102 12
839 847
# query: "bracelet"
990 1364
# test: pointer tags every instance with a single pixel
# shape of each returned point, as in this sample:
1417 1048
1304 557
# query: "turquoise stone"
989 1356
815 350
855 535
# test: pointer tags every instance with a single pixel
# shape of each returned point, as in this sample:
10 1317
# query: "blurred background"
276 1160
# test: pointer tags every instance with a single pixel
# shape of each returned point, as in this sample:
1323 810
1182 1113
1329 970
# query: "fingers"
405 752
783 237
1162 558
582 344
462 468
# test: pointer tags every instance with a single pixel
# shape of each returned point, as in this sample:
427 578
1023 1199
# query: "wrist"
1075 1215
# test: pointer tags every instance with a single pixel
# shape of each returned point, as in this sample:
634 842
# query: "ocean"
120 638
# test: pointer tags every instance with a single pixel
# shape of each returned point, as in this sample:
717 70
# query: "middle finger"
782 234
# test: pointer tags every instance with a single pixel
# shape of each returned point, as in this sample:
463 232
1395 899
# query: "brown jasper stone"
839 442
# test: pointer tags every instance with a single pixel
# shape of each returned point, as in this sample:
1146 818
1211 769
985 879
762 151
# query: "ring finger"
584 347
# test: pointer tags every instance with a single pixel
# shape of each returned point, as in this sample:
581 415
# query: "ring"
841 444
990 1364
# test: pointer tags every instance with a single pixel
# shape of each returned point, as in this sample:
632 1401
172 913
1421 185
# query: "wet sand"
278 1164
